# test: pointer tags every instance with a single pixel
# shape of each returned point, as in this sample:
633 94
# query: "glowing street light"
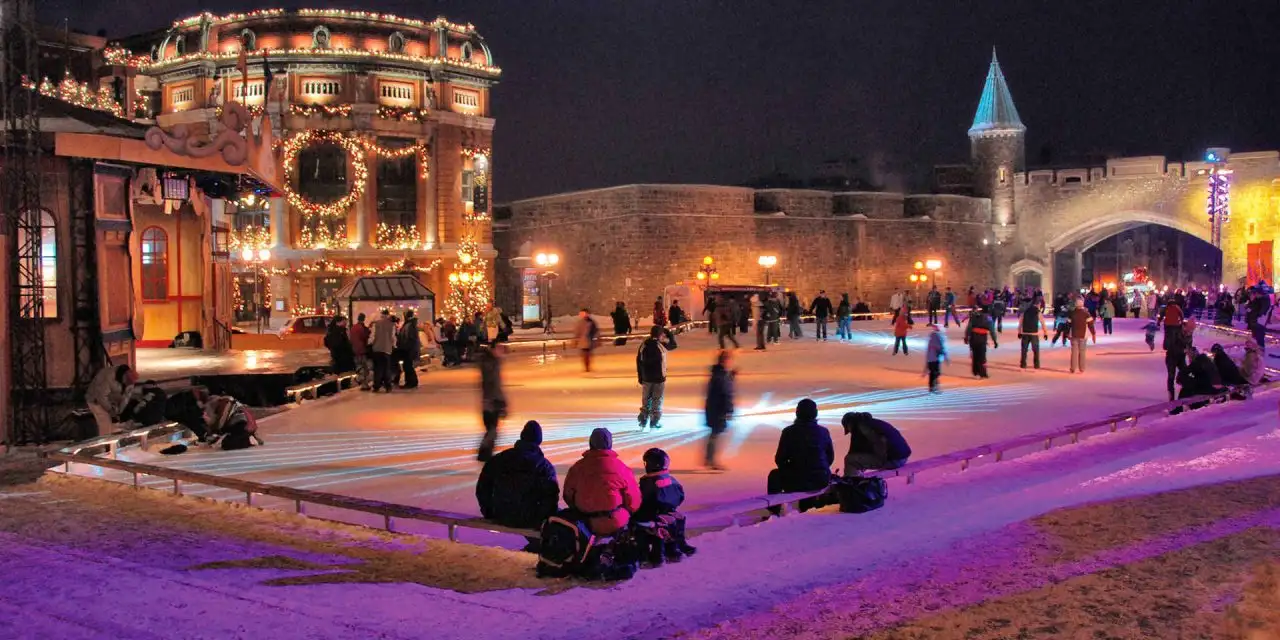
256 258
768 262
707 271
545 261
933 265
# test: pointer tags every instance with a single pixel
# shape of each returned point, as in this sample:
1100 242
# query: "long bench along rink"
417 447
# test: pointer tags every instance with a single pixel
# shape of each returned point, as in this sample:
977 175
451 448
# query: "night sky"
604 92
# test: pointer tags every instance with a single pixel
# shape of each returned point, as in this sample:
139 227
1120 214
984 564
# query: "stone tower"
997 143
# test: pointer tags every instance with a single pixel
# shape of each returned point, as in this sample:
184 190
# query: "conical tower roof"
996 112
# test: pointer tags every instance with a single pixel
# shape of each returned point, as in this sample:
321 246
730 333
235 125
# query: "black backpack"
860 495
566 544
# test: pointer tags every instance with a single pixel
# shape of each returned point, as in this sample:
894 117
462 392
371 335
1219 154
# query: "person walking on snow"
821 310
651 368
1081 323
934 355
1030 328
901 324
719 405
976 334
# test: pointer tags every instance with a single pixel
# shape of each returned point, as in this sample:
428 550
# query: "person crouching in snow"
934 355
661 495
873 445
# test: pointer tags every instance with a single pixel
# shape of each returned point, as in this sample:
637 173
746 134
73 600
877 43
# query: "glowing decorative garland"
354 150
331 111
396 237
323 236
325 266
78 93
160 65
468 284
471 152
326 13
404 114
253 237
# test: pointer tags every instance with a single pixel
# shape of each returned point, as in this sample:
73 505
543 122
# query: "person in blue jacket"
518 487
804 456
873 444
660 498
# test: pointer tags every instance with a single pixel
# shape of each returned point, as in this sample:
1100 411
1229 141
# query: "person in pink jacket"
601 487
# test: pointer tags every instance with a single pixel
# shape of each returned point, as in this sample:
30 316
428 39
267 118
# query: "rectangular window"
397 182
468 184
43 260
469 99
254 90
397 91
184 95
321 87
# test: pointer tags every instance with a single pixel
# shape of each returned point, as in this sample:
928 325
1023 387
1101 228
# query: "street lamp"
707 272
545 261
768 262
256 259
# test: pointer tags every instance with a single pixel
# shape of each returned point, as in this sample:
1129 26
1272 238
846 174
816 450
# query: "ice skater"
493 399
934 355
975 335
719 406
651 368
901 325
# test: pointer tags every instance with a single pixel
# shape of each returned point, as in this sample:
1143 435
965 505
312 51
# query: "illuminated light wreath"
355 151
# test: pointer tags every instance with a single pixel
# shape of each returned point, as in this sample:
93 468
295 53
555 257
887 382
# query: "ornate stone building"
384 144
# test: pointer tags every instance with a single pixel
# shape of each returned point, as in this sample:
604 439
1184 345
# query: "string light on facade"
396 237
403 114
253 237
338 208
468 285
327 267
341 14
316 234
327 110
279 54
78 93
1218 204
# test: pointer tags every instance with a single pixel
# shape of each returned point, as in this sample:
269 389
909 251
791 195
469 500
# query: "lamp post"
707 272
768 262
545 262
256 258
918 276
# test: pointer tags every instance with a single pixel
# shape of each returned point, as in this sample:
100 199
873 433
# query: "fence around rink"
101 452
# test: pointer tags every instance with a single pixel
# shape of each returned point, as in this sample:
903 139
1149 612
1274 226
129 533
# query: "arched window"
466 51
320 37
395 44
155 264
181 45
38 270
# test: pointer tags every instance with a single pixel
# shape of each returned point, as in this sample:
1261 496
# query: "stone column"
279 224
1077 269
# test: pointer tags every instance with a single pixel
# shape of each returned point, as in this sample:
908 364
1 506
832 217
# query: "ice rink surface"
418 446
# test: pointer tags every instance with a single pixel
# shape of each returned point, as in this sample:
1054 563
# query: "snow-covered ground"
147 565
417 447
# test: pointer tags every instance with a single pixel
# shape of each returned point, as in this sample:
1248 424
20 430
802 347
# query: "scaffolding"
28 421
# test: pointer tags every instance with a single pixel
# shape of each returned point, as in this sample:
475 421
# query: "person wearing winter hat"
873 444
518 487
1251 365
601 487
1227 369
804 455
661 496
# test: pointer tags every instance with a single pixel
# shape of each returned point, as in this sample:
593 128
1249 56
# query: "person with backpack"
976 334
719 405
601 488
1030 328
873 444
518 488
229 423
585 335
409 349
651 369
660 498
804 456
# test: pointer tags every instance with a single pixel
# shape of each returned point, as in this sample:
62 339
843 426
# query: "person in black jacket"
660 497
719 407
675 315
793 316
337 340
873 444
1228 372
145 404
621 319
804 455
518 487
651 369
821 309
1176 343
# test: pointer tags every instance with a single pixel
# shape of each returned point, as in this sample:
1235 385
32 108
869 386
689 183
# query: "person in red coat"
601 487
900 326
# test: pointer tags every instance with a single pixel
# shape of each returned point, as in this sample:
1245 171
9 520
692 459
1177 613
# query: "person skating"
1176 344
493 398
804 456
601 487
1061 322
709 310
757 308
950 314
1149 334
773 317
976 333
896 301
821 310
934 355
901 324
1030 328
742 314
518 487
621 319
725 324
382 342
1081 325
660 498
1106 311
998 310
659 313
843 318
793 316
719 405
585 336
651 368
874 445
934 302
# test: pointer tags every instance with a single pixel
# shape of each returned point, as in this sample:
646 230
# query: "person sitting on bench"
601 488
518 488
873 445
660 498
804 456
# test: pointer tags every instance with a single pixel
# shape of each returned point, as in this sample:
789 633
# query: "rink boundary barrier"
733 514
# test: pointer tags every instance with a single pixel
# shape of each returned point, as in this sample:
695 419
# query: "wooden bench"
310 389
